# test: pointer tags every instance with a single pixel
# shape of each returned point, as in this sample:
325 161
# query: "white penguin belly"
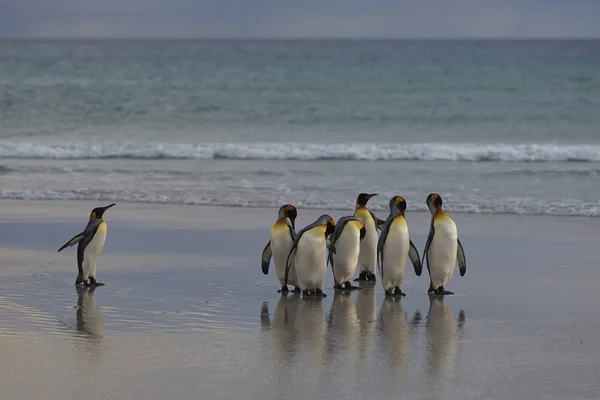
367 258
442 252
347 250
281 244
395 253
92 252
311 262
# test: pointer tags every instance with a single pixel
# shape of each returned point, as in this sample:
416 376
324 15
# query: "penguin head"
98 213
363 198
289 211
328 222
397 203
434 202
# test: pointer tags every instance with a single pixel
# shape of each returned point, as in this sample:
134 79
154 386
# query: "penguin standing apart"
91 243
346 237
282 238
309 252
367 258
394 247
443 249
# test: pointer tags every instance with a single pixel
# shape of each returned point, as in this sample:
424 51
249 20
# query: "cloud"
300 18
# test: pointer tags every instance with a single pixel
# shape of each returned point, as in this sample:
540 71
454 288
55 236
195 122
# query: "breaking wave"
467 152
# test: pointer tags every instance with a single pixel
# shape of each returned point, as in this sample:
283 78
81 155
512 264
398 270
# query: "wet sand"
186 312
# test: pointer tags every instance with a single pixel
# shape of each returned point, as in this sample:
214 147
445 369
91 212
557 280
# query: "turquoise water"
494 126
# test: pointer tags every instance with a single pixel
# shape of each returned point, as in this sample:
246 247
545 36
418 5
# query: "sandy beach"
186 312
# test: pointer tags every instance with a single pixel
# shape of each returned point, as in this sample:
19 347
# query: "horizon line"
301 38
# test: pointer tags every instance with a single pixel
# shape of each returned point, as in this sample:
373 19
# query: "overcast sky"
300 18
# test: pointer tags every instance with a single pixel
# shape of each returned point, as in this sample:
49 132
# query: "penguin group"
301 258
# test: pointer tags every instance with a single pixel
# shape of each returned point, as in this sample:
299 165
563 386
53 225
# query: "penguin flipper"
378 222
74 240
290 255
429 239
381 242
462 261
331 247
330 261
413 254
266 258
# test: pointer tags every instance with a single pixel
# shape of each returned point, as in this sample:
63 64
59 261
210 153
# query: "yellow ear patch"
362 212
317 231
280 224
357 224
441 216
400 221
399 200
93 215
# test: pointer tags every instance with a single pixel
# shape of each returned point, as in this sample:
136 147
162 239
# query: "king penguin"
443 249
309 252
394 247
367 258
91 243
346 237
282 238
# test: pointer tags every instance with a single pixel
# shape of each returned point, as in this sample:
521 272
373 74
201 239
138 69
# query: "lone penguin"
90 243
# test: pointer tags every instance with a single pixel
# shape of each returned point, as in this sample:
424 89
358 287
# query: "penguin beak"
109 206
293 221
371 195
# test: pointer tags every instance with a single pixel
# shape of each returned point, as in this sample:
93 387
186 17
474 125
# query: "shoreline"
316 209
230 217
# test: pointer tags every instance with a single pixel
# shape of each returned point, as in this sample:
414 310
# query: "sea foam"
466 152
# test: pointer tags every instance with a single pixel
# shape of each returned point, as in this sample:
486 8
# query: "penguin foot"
431 289
394 292
371 277
443 292
320 293
307 292
93 282
284 289
362 277
297 289
348 286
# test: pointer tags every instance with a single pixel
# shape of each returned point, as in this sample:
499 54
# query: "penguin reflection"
366 311
89 321
443 337
282 336
342 325
394 332
311 328
296 333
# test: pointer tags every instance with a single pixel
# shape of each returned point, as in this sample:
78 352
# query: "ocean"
493 126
